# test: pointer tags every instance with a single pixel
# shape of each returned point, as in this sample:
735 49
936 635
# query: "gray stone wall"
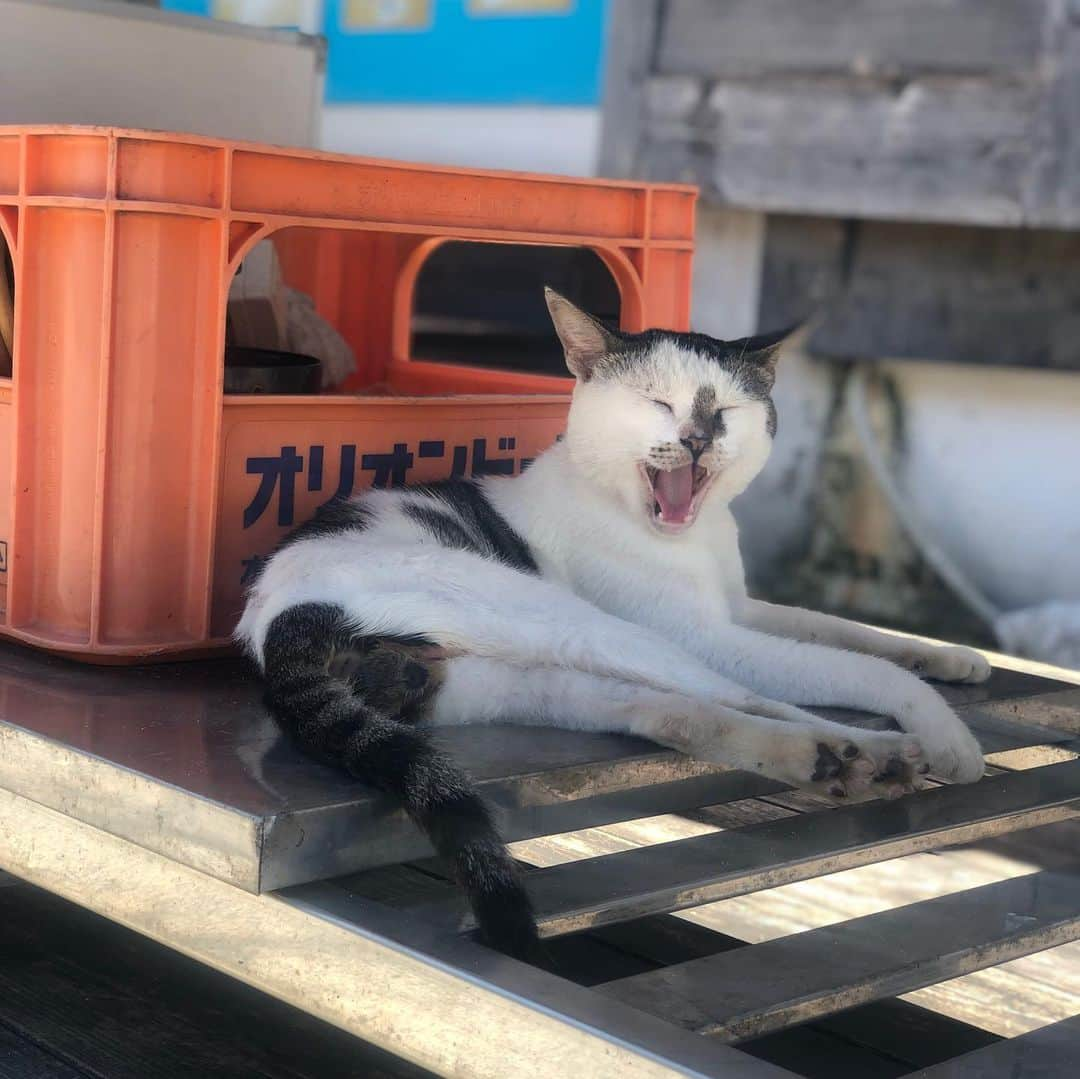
959 111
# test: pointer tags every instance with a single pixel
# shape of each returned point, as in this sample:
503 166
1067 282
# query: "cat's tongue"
674 490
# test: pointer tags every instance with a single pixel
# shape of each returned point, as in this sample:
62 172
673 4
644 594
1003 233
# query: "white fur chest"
616 562
647 583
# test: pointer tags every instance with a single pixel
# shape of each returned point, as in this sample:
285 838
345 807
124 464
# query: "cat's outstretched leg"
831 759
946 663
534 623
814 675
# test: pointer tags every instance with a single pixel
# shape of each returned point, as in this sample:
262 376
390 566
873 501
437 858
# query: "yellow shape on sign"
385 14
260 12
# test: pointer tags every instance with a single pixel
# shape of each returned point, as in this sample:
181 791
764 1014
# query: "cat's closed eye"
663 404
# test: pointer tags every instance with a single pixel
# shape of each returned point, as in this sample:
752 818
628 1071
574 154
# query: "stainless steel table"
164 798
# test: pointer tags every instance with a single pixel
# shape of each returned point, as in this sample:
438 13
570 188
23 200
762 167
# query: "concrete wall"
155 69
951 111
560 139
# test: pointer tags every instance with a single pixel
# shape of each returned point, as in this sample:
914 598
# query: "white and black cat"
602 589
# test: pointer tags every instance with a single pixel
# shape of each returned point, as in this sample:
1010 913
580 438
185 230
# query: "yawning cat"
602 589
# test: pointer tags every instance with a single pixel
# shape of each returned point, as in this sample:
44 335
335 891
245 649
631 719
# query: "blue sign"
461 52
189 7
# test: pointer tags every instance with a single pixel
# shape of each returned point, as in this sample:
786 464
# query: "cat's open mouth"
676 494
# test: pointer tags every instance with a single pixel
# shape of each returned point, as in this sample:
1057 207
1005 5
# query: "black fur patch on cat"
447 529
460 515
340 514
770 419
356 714
395 675
703 410
708 420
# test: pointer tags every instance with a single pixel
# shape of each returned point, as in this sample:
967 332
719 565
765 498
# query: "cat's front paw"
952 751
957 758
946 663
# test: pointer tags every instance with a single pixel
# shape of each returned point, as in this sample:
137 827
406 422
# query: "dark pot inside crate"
264 370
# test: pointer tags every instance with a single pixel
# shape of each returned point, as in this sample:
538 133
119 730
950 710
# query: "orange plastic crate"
140 494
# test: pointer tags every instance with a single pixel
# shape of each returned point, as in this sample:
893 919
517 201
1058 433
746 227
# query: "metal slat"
1057 710
766 987
1052 1052
997 734
689 872
994 724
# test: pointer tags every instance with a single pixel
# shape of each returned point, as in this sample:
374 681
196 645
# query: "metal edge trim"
214 839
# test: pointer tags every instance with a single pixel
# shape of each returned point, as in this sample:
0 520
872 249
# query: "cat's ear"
763 350
584 340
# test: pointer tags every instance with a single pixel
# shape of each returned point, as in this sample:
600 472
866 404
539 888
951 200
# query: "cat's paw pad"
948 664
898 763
866 763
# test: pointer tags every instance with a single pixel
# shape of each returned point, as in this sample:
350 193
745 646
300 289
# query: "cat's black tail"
318 669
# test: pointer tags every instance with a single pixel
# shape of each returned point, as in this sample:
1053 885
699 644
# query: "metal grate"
163 799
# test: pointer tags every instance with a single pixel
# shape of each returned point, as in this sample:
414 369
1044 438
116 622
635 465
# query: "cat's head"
666 421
